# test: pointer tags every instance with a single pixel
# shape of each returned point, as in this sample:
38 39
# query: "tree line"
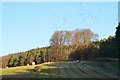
23 58
82 45
79 44
63 43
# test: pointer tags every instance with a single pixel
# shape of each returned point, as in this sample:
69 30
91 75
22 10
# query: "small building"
27 64
33 63
6 66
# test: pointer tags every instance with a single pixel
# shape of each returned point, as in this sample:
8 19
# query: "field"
65 69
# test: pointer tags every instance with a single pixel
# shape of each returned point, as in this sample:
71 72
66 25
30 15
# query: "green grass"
68 69
106 68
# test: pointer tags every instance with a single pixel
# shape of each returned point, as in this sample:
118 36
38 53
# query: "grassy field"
68 69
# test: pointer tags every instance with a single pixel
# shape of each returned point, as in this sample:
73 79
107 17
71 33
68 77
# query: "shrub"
37 68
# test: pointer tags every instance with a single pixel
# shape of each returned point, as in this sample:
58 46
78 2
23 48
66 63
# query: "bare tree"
71 39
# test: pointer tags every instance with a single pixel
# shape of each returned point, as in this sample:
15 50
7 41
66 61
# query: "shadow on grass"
30 73
52 71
